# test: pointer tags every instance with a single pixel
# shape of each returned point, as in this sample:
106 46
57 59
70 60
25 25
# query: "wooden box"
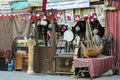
63 65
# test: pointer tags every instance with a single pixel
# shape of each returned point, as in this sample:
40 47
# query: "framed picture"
69 16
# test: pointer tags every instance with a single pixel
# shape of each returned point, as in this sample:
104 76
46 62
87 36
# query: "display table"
96 66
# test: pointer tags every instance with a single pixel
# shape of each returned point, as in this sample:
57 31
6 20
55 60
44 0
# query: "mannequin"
96 38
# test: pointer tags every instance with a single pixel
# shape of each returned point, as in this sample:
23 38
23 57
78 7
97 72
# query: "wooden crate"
63 65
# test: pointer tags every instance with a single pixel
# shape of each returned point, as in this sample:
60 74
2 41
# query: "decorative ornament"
38 23
94 15
43 22
44 18
58 15
77 28
102 20
14 15
0 16
68 35
85 17
77 18
95 31
5 16
50 26
9 15
63 28
52 15
37 17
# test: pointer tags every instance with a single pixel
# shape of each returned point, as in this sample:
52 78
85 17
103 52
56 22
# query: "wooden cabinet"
63 64
21 62
44 60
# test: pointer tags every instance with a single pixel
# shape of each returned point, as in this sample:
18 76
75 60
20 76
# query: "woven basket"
89 52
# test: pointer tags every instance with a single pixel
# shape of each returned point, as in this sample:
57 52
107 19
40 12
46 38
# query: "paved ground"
18 75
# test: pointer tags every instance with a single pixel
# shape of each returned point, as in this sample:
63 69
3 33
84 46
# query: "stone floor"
19 75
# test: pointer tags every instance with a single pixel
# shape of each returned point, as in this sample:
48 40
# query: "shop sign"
69 5
5 8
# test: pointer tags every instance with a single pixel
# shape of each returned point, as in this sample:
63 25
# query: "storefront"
60 33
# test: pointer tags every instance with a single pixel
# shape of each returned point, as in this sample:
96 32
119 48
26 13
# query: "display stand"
31 44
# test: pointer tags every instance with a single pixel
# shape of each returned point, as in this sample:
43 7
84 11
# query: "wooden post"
31 44
52 21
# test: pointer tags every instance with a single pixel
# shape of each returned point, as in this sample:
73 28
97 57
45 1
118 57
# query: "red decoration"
63 28
85 18
58 14
44 6
37 17
68 17
33 17
13 15
94 16
91 18
44 18
0 16
52 14
9 16
77 18
5 16
28 18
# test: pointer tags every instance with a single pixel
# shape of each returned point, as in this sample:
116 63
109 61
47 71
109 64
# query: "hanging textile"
113 26
44 3
21 26
5 32
11 27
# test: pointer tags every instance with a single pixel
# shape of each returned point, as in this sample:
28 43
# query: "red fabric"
85 18
77 18
52 15
47 37
44 6
113 26
58 15
96 66
68 17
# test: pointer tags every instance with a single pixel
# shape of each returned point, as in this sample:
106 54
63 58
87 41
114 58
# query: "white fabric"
68 35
